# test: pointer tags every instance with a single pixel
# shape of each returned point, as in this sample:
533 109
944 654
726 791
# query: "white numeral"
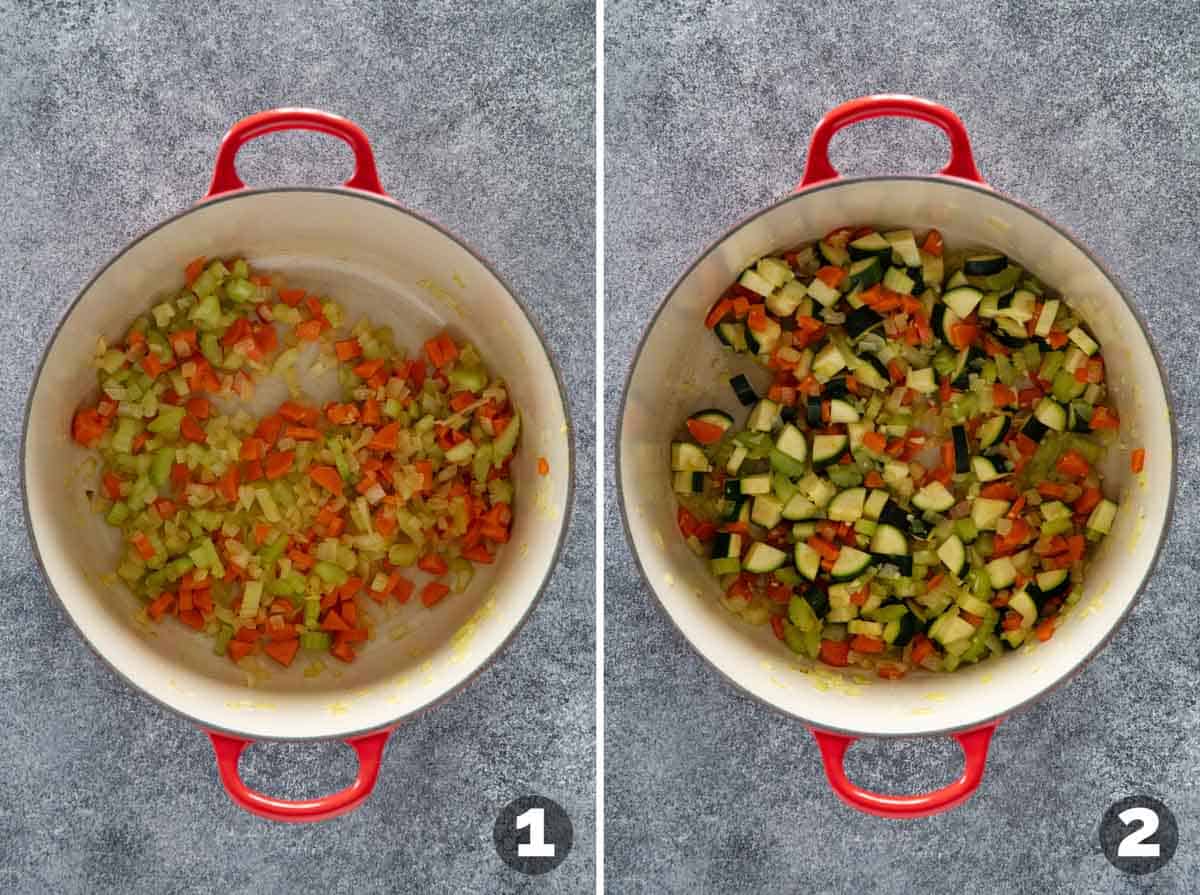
538 847
1134 845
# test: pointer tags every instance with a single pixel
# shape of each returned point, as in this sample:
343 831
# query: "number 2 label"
538 847
1134 845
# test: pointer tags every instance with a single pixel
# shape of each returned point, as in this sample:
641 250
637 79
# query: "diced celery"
331 573
207 311
462 572
404 555
127 430
500 491
339 457
312 612
168 420
221 642
467 379
112 361
502 447
251 597
272 552
392 408
210 347
240 290
160 467
315 640
118 513
463 451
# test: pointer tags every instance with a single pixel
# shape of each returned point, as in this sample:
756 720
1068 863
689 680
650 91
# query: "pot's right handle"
225 176
818 168
370 753
974 744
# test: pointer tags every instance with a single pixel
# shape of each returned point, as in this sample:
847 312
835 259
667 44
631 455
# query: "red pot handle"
818 169
974 744
369 748
225 176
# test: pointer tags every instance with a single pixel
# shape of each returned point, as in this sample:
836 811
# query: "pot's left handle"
370 752
974 744
225 176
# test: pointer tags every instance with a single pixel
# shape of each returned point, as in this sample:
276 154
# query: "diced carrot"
1045 629
200 408
933 244
88 426
873 480
1103 418
191 430
294 412
370 413
291 297
425 467
165 508
448 346
333 622
704 432
831 276
354 635
922 649
1087 500
302 433
112 485
1073 464
1137 460
479 553
387 438
718 313
890 672
343 651
861 643
432 592
401 588
1053 490
835 652
824 547
309 330
327 477
433 351
279 463
194 268
998 491
282 651
142 545
227 484
1057 338
269 428
192 618
433 564
347 349
161 605
238 650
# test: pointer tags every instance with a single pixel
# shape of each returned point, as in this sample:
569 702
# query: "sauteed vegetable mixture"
267 533
918 485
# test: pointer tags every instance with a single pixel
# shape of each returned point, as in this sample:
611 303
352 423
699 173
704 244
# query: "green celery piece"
404 555
482 462
467 379
178 567
392 408
339 457
241 269
207 312
500 491
315 640
330 573
127 429
169 419
502 447
240 290
312 612
160 467
210 347
118 513
463 451
221 641
271 553
782 463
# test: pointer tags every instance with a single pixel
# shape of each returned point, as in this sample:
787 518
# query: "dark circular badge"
1139 835
533 835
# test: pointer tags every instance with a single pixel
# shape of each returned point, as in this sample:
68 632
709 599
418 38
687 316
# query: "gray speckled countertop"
483 120
1088 112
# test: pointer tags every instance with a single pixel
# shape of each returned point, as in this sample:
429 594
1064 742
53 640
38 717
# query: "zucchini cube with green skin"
822 292
808 561
1001 572
687 482
1045 320
800 507
848 505
1023 603
784 301
791 442
753 485
963 300
934 497
775 271
767 511
849 564
762 558
987 511
764 341
756 282
904 246
828 362
764 416
889 540
953 555
688 457
1101 518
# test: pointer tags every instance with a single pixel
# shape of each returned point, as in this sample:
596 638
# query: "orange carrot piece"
1137 460
347 349
309 330
327 477
282 651
433 592
279 463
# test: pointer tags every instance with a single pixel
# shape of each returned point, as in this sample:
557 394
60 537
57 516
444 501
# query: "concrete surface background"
1088 112
481 118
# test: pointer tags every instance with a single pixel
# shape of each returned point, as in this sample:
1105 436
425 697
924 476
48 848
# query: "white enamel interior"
377 260
679 370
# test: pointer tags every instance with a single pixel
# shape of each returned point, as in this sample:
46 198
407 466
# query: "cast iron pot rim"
389 203
994 718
